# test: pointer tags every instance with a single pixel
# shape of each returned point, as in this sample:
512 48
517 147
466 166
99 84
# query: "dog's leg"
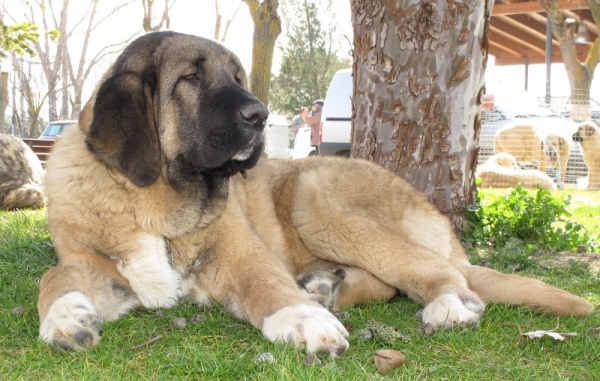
393 233
75 300
426 276
265 293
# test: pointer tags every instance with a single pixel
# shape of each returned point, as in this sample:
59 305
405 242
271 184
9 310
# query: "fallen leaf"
555 335
387 359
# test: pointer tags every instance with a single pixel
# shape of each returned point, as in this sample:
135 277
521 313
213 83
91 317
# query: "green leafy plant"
538 218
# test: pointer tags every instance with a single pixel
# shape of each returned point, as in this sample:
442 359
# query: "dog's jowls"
20 175
148 205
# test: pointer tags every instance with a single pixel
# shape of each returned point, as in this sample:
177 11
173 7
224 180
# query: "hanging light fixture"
582 36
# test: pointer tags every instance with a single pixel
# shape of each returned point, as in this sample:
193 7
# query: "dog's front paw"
449 311
307 324
72 323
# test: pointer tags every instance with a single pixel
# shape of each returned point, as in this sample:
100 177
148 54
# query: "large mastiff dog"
159 196
20 175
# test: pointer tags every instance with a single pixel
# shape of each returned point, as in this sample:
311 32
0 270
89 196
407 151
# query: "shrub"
538 218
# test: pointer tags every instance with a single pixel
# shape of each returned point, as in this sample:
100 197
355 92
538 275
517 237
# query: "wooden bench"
41 147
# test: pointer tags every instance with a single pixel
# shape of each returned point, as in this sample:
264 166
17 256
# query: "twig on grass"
151 340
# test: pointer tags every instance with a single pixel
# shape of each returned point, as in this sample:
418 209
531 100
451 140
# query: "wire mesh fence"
551 142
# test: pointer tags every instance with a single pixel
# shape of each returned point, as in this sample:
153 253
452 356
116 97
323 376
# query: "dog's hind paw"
306 324
322 286
72 323
450 310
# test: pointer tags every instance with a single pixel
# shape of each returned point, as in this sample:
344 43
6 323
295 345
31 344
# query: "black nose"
254 114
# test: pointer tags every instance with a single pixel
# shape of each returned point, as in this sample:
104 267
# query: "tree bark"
418 80
580 74
267 27
3 99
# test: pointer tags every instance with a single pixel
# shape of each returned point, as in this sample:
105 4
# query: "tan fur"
20 175
588 136
531 144
245 242
501 171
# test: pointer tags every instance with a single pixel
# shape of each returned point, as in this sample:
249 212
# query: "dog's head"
586 131
504 159
176 100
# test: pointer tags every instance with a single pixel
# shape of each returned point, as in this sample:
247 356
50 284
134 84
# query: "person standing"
298 122
314 121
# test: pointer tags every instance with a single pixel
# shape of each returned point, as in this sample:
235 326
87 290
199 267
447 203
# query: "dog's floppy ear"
123 133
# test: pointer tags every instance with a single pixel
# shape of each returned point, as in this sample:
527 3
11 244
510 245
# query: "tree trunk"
580 74
267 27
418 80
3 99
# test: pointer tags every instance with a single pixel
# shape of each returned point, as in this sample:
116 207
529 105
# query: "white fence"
543 140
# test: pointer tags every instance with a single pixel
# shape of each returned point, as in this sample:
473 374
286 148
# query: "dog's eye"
192 77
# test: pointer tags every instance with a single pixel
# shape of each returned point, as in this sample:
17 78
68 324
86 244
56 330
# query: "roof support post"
548 57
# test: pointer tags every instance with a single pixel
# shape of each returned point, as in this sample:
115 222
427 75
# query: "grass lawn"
220 347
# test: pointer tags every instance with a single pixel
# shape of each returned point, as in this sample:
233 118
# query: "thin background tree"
310 56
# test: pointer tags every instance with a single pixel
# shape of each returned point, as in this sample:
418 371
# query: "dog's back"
20 175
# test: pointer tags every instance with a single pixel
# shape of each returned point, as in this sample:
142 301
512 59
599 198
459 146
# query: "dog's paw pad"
72 323
308 325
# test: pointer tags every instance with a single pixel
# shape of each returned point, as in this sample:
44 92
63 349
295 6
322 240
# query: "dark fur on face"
220 123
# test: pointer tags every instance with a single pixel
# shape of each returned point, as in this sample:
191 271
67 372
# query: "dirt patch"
566 258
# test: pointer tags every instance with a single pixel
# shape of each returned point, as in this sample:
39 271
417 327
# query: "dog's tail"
493 286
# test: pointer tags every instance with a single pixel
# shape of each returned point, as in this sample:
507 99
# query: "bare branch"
147 20
229 20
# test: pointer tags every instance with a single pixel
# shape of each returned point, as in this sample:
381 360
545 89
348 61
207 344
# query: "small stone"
419 315
197 318
572 260
343 315
311 359
17 311
492 240
485 263
428 330
364 335
264 358
159 313
179 322
593 332
387 359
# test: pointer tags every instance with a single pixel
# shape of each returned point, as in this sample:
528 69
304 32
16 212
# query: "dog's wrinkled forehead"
181 54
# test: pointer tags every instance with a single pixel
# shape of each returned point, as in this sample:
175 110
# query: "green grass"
224 348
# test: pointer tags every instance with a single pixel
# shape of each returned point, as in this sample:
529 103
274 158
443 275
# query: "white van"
336 117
